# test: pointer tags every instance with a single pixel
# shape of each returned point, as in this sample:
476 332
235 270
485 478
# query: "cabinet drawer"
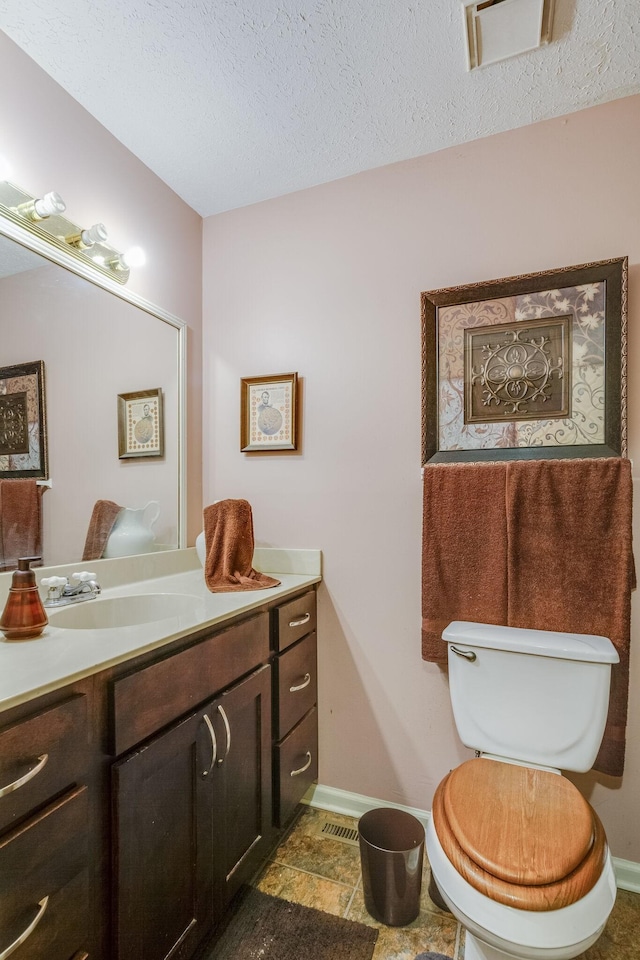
156 695
40 756
44 882
295 619
296 766
296 674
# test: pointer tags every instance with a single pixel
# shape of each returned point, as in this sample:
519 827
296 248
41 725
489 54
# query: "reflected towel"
20 521
571 564
101 523
228 534
464 549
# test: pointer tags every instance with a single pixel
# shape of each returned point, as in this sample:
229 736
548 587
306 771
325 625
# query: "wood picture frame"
23 422
140 424
548 365
268 413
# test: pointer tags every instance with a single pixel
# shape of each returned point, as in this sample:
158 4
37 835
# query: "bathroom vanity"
146 769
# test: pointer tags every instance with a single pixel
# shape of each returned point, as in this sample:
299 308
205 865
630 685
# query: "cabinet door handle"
227 729
22 780
294 773
214 749
306 680
42 905
298 623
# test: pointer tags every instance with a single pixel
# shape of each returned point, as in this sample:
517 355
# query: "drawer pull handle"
294 773
306 680
42 904
301 621
10 787
227 729
214 748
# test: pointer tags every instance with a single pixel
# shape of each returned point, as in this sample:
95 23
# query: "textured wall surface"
232 102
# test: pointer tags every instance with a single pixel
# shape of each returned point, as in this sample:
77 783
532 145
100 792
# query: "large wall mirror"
98 341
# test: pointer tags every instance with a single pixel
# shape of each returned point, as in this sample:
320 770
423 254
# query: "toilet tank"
533 696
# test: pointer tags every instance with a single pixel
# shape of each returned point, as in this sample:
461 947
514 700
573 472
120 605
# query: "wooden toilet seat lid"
519 824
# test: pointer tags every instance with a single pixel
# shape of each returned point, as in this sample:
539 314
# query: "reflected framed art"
23 422
140 424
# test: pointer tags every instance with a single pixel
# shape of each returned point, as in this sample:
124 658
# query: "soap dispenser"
24 617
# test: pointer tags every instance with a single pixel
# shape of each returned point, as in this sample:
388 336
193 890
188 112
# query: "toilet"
516 852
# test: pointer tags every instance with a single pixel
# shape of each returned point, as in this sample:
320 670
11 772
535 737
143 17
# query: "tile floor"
324 873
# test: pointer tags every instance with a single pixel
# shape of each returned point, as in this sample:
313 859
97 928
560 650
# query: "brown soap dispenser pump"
24 617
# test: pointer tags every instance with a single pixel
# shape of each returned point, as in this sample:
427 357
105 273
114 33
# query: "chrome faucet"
60 592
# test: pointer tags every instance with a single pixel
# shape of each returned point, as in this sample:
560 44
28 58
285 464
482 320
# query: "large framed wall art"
527 367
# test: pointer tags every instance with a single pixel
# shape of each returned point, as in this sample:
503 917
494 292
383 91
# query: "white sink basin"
123 611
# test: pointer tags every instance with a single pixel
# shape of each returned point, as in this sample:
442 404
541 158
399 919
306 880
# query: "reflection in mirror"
96 343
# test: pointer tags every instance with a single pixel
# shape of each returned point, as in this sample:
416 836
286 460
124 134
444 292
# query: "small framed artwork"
527 367
268 413
140 424
23 422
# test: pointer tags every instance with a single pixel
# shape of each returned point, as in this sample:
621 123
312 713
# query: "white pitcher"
131 532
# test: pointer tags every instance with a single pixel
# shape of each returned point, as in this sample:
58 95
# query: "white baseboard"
354 805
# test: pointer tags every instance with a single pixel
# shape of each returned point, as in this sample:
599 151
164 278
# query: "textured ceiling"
234 101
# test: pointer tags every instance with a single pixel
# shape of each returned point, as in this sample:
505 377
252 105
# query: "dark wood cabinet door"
162 843
242 783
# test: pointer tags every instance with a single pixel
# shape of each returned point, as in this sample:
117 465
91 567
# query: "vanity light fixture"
43 217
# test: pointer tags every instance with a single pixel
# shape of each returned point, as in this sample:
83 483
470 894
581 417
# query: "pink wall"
54 144
327 282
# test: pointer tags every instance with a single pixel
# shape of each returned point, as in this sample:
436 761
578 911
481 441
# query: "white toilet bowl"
498 932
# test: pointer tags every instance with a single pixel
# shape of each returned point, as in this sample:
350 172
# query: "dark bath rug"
268 928
432 956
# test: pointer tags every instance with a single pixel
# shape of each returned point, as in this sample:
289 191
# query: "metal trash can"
391 855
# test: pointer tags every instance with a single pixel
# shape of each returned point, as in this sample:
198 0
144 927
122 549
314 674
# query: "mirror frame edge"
21 234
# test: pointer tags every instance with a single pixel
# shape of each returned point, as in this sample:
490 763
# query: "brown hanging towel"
570 564
464 549
228 534
20 521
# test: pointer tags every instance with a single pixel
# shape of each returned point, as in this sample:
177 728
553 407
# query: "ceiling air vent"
497 29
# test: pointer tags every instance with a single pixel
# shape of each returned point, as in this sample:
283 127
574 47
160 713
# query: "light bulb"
134 257
95 234
50 204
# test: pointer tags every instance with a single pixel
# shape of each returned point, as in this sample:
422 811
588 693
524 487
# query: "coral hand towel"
228 535
101 523
571 564
464 549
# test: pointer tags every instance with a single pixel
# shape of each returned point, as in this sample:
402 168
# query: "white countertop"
59 656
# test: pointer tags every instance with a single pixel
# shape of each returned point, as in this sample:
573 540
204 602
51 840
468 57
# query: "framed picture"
23 422
268 414
527 367
140 424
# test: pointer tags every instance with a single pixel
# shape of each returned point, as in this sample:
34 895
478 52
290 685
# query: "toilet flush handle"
467 654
